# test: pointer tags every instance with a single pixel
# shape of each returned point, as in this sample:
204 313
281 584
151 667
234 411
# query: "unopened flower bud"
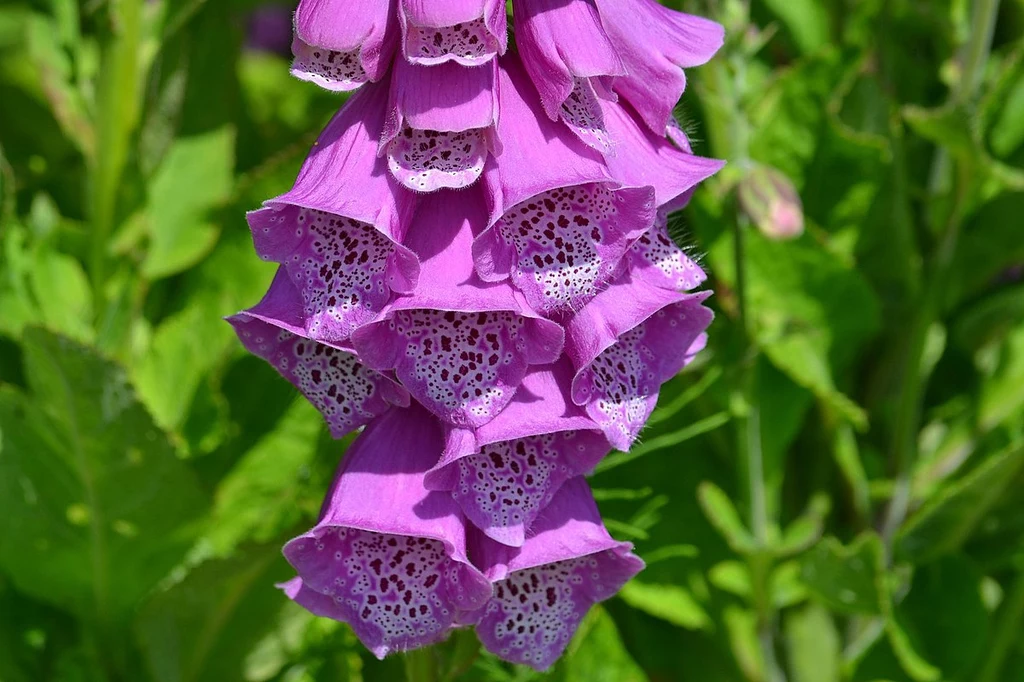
771 202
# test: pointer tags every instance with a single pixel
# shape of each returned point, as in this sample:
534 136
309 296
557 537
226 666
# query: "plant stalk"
928 311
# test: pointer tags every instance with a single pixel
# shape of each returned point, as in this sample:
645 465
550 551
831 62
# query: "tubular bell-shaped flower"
559 222
345 392
543 590
338 230
628 341
440 124
467 32
570 59
387 556
461 346
341 44
505 473
655 43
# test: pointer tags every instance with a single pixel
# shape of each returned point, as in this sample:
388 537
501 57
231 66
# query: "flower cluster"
475 267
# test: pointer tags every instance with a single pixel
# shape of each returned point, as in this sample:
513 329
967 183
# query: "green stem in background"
421 666
117 115
908 416
1008 629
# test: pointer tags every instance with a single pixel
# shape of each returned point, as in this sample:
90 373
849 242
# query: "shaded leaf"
97 507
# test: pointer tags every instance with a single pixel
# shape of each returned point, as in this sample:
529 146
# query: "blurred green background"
833 492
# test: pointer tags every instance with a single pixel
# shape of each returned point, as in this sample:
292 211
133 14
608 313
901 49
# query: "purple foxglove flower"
441 124
387 556
628 341
341 44
559 222
345 392
645 158
467 32
508 471
337 231
657 260
461 346
569 57
543 590
655 43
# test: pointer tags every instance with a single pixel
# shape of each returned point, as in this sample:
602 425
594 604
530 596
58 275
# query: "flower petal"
658 260
655 44
563 46
342 44
345 392
340 250
460 345
505 475
543 591
468 32
559 246
441 124
644 158
625 343
390 554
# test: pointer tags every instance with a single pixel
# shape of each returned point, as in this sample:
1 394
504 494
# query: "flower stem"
1008 630
421 666
118 103
908 416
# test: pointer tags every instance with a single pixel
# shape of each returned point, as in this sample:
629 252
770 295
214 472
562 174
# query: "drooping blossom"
543 590
441 124
466 32
506 472
461 346
342 44
475 264
571 60
655 44
559 222
628 341
337 232
388 556
346 393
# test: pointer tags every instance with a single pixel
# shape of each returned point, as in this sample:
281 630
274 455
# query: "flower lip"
507 471
467 32
341 54
567 564
346 393
631 338
440 125
389 554
461 345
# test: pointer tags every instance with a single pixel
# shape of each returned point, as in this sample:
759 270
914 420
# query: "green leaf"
954 636
596 654
813 645
96 507
812 314
263 494
203 628
741 627
62 294
847 579
194 178
806 20
805 530
949 518
723 516
185 347
670 603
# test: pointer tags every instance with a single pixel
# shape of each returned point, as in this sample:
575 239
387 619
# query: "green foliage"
831 493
